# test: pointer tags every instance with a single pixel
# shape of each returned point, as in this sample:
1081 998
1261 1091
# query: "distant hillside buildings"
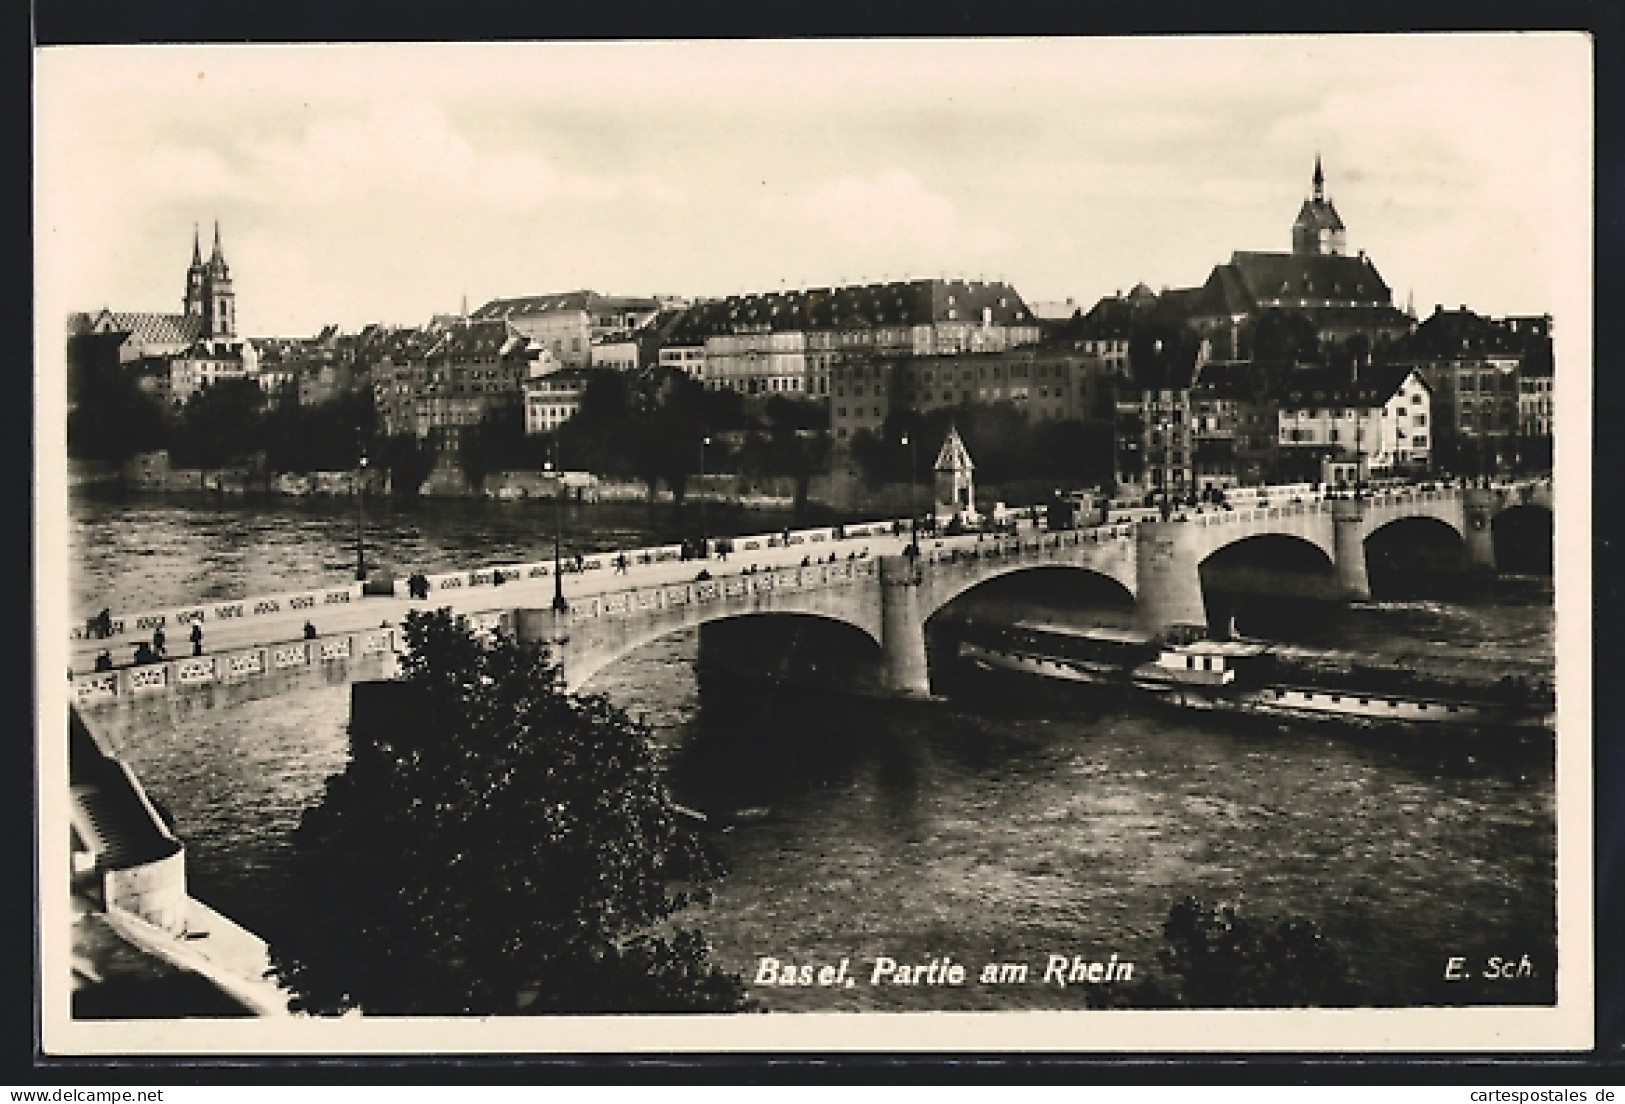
1280 364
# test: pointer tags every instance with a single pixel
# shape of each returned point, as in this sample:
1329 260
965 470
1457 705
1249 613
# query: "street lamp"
559 604
699 495
360 474
1163 473
913 514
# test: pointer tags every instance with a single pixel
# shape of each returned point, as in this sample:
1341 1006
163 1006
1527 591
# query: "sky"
385 183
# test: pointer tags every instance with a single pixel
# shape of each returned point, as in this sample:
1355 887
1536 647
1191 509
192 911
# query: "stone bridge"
890 598
887 597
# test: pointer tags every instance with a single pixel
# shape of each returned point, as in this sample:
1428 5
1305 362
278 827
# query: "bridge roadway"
358 613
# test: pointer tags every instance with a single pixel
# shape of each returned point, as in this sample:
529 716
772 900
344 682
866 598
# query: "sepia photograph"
941 544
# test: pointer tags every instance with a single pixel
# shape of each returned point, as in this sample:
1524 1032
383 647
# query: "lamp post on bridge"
360 475
552 465
699 495
913 513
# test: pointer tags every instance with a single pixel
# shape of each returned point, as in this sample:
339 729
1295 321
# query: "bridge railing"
96 687
229 610
649 599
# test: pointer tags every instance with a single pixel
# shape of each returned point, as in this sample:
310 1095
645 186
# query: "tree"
497 846
497 442
110 418
219 424
408 462
1218 958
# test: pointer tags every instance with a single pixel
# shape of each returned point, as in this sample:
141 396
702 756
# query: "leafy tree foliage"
498 442
1006 447
1218 958
500 847
110 417
408 461
325 437
219 424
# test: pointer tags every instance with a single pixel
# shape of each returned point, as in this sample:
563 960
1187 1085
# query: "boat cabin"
1205 662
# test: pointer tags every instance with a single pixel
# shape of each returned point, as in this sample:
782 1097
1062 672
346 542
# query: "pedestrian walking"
310 631
104 660
158 642
197 639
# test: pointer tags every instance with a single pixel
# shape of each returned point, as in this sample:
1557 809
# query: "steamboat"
1436 691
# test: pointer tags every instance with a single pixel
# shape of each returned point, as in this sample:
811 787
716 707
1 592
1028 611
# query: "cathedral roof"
954 456
153 329
1309 276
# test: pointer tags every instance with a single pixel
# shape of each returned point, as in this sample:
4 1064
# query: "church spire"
197 250
217 254
1320 181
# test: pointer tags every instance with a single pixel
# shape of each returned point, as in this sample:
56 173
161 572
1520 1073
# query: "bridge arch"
1390 528
947 590
1240 541
580 670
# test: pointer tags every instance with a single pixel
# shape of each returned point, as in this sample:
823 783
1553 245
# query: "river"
987 827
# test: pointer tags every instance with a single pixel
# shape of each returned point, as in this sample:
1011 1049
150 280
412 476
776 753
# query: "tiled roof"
1376 384
1308 276
583 300
900 303
479 339
1463 332
157 329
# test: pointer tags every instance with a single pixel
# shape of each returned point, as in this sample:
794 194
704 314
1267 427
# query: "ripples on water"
1004 830
133 552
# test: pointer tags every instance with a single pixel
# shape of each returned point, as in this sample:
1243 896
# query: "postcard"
1041 545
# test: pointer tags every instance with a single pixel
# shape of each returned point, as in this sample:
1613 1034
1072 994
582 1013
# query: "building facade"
567 323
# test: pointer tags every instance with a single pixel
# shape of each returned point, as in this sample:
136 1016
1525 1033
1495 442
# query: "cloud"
890 211
402 149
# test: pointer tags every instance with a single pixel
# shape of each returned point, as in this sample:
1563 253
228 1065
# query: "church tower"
195 276
219 301
1318 230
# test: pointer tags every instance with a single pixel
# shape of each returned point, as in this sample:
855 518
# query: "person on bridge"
620 564
310 631
104 660
158 642
143 654
102 624
197 639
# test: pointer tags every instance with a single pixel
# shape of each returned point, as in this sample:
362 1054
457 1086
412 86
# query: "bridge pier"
1477 509
904 669
1349 545
1169 582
